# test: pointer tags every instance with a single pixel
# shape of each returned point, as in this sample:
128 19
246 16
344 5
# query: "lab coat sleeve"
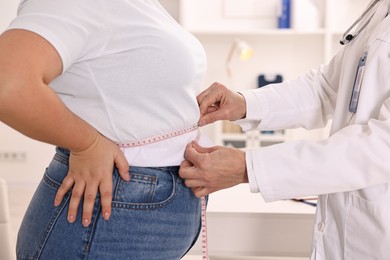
306 102
353 158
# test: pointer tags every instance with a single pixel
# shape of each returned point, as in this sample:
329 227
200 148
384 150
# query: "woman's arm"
28 63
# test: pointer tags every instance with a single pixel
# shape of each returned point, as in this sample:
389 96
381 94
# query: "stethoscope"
347 36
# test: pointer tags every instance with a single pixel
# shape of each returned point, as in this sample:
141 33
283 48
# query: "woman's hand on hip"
90 172
220 103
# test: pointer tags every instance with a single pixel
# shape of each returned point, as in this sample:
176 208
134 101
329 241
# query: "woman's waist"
172 134
165 149
165 152
161 152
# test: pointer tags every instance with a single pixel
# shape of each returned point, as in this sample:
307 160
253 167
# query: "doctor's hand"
206 170
90 171
220 103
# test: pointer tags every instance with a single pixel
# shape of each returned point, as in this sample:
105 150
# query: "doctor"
350 171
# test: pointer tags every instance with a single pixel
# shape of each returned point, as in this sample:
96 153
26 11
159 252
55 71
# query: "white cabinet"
288 52
227 16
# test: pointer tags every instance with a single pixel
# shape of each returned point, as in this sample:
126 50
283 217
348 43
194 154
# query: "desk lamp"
244 51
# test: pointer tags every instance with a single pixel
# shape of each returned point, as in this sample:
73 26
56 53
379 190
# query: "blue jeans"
154 216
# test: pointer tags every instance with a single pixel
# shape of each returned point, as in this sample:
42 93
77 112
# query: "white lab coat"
351 169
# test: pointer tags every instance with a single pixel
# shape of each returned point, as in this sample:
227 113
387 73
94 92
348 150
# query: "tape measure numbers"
159 138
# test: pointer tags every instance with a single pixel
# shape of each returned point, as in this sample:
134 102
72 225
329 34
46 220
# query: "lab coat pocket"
367 229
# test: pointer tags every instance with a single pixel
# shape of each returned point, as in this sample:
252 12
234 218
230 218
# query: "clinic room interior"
249 44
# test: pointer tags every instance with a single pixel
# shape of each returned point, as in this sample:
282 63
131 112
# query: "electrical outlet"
13 156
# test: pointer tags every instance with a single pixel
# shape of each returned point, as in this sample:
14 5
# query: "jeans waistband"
62 155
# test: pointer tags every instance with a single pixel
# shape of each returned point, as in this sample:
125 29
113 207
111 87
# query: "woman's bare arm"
28 63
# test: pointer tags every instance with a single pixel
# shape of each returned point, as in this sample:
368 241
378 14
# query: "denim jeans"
154 216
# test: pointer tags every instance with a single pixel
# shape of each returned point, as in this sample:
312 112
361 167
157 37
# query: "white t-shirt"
130 70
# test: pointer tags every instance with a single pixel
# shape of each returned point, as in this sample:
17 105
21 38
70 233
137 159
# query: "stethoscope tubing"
347 37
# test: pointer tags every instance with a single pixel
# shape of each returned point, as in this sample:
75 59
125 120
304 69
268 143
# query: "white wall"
172 7
7 12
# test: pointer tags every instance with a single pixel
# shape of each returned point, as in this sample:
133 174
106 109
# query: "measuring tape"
205 251
158 138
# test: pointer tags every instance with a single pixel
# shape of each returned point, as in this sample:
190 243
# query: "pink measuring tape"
205 253
159 138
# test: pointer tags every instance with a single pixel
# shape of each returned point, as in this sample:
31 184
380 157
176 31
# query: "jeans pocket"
148 188
39 219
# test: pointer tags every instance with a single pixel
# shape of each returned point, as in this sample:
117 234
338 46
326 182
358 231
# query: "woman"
112 84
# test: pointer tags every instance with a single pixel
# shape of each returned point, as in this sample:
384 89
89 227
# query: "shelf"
262 32
272 138
252 139
261 137
234 137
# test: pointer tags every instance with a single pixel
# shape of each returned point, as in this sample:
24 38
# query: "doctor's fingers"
215 115
207 91
195 154
188 171
211 97
184 165
191 157
193 175
202 150
194 183
200 192
215 89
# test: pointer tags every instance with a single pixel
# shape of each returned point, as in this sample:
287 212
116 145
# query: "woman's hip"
154 216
